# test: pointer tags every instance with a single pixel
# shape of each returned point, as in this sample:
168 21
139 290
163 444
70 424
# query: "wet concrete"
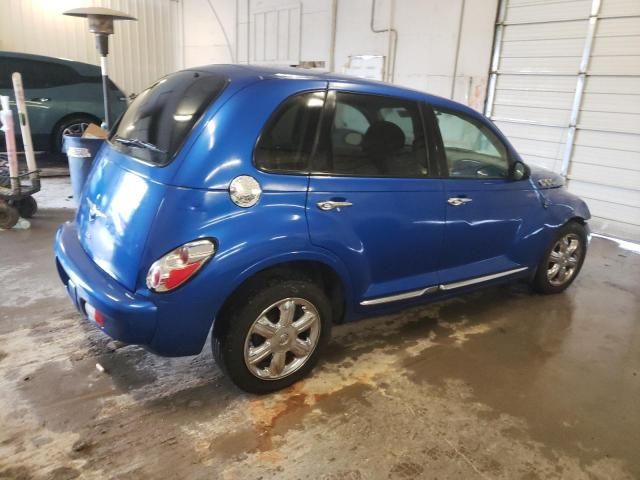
498 384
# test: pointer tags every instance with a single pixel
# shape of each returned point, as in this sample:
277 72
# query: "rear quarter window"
157 122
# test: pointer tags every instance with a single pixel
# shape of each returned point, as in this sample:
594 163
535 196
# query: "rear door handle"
457 201
40 99
331 204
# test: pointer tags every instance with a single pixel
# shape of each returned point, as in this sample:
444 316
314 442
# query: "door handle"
40 99
457 201
331 204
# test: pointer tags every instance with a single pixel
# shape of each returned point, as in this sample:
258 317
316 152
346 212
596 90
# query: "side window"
373 136
37 74
288 137
472 150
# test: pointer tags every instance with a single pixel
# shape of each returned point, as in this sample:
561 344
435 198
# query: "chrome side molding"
486 278
443 287
400 296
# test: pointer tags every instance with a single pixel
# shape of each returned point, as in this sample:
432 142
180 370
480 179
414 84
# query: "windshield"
159 119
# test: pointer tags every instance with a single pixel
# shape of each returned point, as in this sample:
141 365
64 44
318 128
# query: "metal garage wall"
565 88
140 52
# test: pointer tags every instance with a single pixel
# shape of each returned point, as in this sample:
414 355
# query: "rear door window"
157 122
373 136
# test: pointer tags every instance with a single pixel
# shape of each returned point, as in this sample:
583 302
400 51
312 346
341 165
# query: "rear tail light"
93 314
177 266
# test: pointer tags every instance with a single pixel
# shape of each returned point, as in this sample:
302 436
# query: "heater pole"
102 44
101 25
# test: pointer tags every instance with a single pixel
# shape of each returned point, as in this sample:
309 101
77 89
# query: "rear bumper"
128 317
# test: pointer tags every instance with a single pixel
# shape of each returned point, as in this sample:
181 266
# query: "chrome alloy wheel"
282 338
564 259
75 129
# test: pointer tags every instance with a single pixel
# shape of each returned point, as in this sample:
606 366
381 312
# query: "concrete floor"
498 384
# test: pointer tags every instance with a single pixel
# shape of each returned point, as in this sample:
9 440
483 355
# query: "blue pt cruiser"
263 206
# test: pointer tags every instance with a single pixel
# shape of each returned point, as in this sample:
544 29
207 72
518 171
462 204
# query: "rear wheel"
73 125
273 339
563 260
27 207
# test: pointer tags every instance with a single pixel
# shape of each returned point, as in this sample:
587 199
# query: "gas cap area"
245 191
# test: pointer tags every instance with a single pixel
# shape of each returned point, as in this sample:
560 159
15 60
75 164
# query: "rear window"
158 121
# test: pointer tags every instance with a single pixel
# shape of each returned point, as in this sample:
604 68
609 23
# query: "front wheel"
563 260
274 337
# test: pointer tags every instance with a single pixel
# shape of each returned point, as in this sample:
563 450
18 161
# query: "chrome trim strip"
433 288
472 281
400 296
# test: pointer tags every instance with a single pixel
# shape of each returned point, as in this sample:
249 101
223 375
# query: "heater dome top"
105 12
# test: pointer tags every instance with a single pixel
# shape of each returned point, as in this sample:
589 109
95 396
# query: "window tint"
372 136
36 74
287 140
159 119
472 150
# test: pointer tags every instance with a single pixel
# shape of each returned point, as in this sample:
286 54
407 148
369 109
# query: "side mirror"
519 171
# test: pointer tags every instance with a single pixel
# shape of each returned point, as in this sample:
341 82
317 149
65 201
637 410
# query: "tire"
76 123
561 254
279 359
27 207
9 215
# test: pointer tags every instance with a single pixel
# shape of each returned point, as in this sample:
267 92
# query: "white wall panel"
535 132
540 65
547 11
605 175
538 83
561 47
620 8
140 52
547 99
608 140
542 116
545 31
611 102
615 158
612 65
612 84
426 49
606 193
619 45
622 26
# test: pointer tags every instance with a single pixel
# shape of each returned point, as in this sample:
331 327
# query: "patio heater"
101 25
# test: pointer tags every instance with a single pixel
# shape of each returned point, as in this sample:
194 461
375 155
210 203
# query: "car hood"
544 179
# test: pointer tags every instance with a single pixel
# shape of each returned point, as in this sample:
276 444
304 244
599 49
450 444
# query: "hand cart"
17 185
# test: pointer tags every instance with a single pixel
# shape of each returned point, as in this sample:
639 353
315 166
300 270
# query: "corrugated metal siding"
540 54
140 52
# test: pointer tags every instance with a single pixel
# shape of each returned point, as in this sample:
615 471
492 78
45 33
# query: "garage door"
565 89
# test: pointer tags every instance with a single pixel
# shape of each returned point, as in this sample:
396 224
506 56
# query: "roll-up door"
565 89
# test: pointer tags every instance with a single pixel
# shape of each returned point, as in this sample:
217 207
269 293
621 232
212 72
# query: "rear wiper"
135 142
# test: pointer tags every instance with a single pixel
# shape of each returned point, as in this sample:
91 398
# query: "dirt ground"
500 384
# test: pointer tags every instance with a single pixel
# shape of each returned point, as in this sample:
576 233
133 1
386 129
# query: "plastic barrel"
81 152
